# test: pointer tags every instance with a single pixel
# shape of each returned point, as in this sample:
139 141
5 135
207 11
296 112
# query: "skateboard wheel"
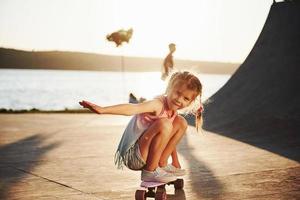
161 195
161 187
140 195
178 184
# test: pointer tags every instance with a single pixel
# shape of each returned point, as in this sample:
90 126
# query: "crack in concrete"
56 182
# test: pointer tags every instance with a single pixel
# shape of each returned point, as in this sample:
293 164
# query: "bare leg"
175 160
153 142
179 129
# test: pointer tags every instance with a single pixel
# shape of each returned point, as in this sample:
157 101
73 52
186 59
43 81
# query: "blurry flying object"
120 36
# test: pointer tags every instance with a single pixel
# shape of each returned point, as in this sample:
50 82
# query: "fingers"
88 105
83 103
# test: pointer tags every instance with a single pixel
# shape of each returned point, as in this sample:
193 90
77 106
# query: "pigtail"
198 117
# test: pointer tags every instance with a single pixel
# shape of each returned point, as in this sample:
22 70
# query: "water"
61 89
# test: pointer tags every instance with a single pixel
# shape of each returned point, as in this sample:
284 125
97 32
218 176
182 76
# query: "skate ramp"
259 105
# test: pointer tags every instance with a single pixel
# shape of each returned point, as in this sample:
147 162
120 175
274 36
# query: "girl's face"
180 97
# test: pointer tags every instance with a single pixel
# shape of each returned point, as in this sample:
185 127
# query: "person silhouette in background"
168 62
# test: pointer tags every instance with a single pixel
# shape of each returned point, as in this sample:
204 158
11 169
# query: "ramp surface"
259 105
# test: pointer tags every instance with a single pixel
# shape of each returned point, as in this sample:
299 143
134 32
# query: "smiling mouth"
178 105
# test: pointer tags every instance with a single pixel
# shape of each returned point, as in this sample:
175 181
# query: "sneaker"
158 175
174 170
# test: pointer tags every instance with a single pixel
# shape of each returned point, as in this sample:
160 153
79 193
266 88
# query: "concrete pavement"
70 156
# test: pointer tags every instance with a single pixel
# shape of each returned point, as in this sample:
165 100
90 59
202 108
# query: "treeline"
12 58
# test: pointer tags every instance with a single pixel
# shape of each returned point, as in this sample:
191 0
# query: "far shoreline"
64 60
210 70
34 110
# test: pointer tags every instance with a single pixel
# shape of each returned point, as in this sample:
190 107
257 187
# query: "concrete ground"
70 156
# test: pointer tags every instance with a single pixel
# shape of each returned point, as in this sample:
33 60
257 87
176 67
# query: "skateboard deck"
146 184
156 190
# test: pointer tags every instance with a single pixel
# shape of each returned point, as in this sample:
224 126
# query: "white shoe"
174 170
158 175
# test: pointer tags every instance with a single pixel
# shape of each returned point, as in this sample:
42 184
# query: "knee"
165 125
181 123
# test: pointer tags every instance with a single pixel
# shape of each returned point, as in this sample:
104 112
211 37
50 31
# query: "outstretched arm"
153 106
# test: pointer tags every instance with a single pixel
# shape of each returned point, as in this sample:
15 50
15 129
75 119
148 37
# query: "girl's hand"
86 104
90 106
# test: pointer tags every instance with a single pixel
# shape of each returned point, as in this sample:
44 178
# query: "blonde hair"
192 83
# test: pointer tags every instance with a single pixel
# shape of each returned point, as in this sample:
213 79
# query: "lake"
61 89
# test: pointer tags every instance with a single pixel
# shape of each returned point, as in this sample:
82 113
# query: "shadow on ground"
18 159
272 133
204 183
178 195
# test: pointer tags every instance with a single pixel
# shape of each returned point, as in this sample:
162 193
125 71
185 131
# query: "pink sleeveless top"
147 119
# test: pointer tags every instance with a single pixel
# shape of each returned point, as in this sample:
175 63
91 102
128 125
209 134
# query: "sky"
207 30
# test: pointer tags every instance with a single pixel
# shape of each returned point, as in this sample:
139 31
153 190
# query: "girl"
155 129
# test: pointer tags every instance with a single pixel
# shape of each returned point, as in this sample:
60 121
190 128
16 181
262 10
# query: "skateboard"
156 190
